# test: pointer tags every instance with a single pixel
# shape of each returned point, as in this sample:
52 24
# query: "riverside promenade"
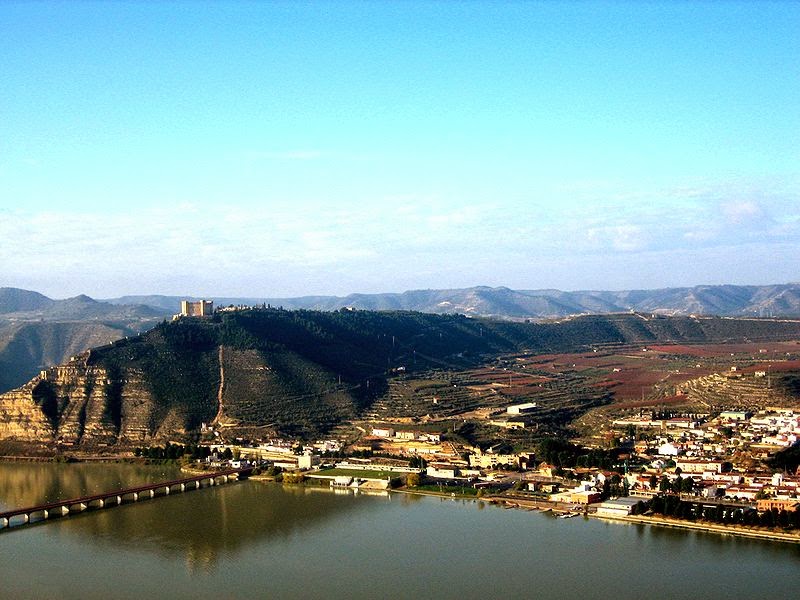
774 536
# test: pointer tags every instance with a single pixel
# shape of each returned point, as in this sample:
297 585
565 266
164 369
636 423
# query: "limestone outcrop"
21 418
78 403
300 373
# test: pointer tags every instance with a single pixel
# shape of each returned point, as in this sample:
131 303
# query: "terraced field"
280 389
698 379
465 402
305 373
582 393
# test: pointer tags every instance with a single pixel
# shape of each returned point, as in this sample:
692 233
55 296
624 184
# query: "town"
715 464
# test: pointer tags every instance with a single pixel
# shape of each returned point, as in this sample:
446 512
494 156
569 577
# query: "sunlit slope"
299 372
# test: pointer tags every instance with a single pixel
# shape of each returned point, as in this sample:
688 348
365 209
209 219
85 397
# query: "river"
257 540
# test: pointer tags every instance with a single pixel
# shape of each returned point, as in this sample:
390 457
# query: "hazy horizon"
258 297
286 149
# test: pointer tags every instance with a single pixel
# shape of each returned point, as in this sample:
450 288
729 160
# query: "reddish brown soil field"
633 373
778 366
669 401
709 350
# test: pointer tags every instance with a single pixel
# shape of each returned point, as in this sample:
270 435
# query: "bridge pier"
33 514
3 523
79 507
48 513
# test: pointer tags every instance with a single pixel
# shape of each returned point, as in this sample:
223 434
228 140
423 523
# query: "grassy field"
361 473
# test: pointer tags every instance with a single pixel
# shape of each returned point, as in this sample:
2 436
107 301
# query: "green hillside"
303 372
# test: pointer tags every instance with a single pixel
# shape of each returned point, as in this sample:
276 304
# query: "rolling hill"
57 329
26 348
38 332
502 302
298 372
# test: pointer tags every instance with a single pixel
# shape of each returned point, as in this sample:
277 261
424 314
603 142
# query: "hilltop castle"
201 308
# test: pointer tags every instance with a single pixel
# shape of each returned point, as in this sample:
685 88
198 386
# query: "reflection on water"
231 518
27 484
198 524
251 539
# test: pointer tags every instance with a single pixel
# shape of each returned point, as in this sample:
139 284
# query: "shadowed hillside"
38 332
26 348
300 372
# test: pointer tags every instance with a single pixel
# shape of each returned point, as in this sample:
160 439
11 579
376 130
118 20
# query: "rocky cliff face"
299 372
84 404
22 418
26 348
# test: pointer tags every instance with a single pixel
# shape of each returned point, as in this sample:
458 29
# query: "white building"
621 507
442 470
668 449
383 432
734 415
521 409
306 461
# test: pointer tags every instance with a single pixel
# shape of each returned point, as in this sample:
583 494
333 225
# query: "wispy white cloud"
738 212
411 240
622 237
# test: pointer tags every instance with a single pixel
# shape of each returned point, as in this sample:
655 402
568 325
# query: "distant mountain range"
505 303
38 332
25 305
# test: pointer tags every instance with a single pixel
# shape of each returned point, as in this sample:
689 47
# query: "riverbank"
15 458
509 502
448 496
736 530
64 458
557 507
542 505
260 477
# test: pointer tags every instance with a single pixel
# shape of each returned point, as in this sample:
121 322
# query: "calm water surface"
259 540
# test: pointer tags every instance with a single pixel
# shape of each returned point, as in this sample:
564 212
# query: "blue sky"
276 149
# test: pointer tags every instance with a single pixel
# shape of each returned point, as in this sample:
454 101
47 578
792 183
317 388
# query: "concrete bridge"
63 508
